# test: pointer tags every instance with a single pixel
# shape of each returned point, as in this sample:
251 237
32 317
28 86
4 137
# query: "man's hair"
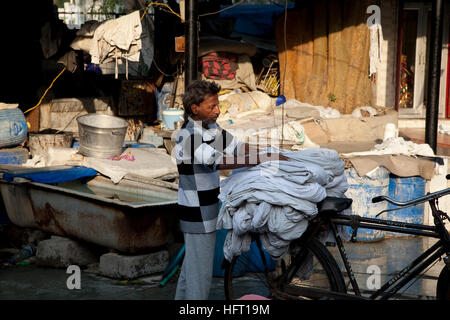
196 93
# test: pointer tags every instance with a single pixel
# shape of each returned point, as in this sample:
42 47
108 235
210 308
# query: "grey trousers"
195 277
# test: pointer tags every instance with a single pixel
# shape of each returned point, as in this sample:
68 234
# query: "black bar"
434 74
338 217
412 275
191 35
347 264
400 275
440 226
427 197
389 228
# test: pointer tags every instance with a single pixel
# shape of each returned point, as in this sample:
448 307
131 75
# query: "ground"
30 281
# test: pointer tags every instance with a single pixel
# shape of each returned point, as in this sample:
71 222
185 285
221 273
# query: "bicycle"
309 270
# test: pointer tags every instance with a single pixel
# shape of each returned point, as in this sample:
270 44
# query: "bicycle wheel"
308 271
443 285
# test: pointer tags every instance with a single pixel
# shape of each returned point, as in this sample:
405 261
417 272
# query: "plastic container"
149 136
163 99
405 189
134 144
362 190
13 156
170 116
13 127
23 254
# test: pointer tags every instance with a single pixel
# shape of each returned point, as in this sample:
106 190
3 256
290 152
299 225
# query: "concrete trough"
131 217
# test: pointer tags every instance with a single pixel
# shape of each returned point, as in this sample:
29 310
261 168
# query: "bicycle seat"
334 204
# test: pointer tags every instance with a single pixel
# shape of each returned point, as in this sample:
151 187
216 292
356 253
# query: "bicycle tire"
325 275
443 285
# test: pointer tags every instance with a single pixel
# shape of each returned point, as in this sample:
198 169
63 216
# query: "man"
199 150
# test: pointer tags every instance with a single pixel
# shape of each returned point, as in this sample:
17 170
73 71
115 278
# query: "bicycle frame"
393 285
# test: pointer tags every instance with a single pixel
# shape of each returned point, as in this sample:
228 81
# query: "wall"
385 78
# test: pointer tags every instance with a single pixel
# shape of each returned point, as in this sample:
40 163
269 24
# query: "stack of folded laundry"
277 199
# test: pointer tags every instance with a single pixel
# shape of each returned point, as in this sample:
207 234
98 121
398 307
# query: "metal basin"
130 217
101 136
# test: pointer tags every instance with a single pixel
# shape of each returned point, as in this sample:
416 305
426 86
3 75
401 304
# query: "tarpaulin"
53 176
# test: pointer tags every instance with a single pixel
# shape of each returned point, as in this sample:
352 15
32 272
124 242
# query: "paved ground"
34 282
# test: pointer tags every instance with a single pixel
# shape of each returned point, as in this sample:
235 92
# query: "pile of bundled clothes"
276 199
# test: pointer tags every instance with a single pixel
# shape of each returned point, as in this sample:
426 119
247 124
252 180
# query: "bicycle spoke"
299 273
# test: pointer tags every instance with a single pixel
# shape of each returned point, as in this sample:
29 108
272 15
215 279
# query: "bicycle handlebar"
428 197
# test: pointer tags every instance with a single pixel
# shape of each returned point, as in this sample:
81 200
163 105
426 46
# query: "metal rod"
404 271
434 74
347 264
374 226
339 218
191 34
414 273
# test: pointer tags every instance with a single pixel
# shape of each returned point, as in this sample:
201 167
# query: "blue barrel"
255 262
250 261
239 268
405 189
13 127
13 156
362 190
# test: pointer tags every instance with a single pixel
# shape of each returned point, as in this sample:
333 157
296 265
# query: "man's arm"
248 157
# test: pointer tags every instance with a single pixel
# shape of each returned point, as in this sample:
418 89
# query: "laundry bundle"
276 199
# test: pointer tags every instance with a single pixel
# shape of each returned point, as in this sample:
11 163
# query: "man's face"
208 110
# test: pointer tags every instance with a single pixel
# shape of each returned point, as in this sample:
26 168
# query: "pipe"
191 35
434 74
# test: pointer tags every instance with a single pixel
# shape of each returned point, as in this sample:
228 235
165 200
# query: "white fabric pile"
407 148
324 112
116 39
444 129
149 163
277 198
396 145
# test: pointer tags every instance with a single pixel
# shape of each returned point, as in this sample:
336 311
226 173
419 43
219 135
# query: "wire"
160 4
46 91
159 69
284 73
222 10
62 130
179 16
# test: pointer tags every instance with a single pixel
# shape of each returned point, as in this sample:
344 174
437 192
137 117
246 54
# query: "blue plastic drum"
405 189
362 190
13 127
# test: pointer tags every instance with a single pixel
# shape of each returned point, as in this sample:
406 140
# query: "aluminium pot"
101 136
